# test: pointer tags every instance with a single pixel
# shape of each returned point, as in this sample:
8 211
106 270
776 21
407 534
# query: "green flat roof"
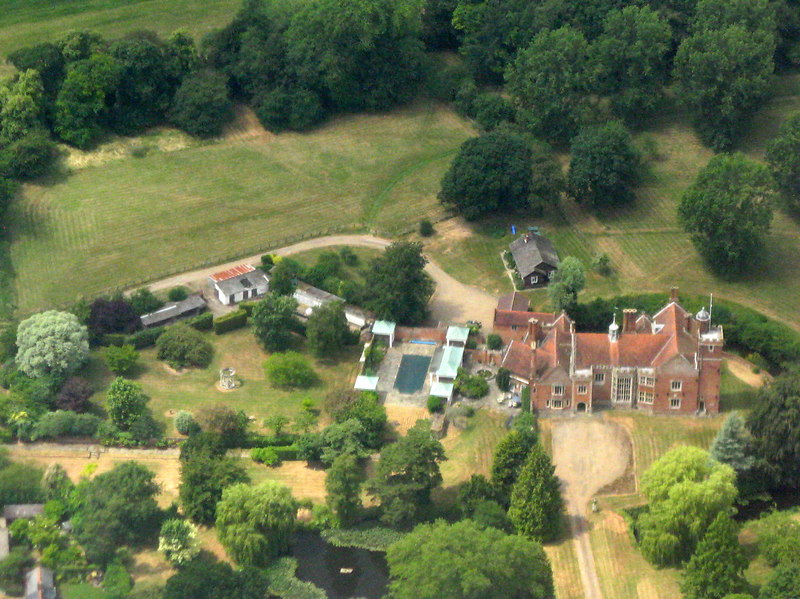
457 334
451 362
442 390
383 327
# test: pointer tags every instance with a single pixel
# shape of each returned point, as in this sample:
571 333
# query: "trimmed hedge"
256 440
287 453
114 339
203 322
230 322
144 338
248 306
265 455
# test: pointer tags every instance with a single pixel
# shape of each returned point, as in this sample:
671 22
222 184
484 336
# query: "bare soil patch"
743 370
402 418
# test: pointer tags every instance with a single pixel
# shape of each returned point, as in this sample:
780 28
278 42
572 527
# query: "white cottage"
239 283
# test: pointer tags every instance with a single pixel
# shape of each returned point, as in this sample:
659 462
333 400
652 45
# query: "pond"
321 564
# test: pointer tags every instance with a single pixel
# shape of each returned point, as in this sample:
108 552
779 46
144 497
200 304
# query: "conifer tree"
715 569
509 457
536 503
732 444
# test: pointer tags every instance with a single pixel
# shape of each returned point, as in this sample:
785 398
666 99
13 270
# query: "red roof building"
666 363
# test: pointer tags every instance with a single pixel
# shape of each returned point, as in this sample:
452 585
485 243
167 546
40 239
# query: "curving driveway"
452 301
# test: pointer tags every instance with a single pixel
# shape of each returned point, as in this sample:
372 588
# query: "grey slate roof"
173 310
13 512
530 254
249 280
39 584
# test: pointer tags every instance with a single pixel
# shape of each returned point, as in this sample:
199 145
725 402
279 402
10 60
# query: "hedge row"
230 322
203 322
248 306
275 454
744 328
256 440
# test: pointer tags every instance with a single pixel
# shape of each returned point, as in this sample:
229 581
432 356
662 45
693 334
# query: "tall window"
622 390
581 389
676 385
599 378
646 397
558 389
675 403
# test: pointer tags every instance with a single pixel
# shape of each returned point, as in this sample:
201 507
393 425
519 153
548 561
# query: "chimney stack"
629 320
673 294
534 330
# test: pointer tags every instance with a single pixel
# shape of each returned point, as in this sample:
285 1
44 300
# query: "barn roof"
248 280
514 301
532 250
224 275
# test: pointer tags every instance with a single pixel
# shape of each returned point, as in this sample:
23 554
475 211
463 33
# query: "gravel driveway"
589 453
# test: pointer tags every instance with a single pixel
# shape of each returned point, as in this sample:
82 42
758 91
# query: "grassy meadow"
648 249
130 219
28 22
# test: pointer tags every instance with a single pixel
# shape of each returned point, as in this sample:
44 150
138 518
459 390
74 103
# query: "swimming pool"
411 374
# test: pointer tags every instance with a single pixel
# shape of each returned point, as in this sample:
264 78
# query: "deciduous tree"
686 490
604 166
509 457
549 82
255 524
121 360
201 105
463 560
407 472
399 286
775 426
125 403
490 173
631 56
783 156
326 331
51 343
728 212
273 321
566 283
178 541
367 409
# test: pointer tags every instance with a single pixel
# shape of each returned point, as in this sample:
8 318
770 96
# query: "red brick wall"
420 333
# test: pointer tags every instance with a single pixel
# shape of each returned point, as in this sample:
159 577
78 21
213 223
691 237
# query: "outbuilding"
239 283
536 259
172 311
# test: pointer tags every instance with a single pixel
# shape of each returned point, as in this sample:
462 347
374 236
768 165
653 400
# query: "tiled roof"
508 318
631 349
514 301
519 359
241 269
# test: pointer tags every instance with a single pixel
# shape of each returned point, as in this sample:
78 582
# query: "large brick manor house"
666 363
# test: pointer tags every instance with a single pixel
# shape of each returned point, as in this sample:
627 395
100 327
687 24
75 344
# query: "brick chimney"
629 320
534 330
673 294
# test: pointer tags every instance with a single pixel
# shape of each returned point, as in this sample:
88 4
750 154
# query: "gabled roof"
509 318
383 327
531 251
451 359
224 275
519 359
514 301
173 310
459 334
251 279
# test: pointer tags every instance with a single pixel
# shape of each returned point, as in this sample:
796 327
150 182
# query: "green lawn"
135 219
197 387
28 22
648 249
81 591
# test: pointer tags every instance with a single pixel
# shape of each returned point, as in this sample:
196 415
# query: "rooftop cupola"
613 330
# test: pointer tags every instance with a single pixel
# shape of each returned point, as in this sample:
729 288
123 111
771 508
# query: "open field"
28 22
194 388
648 249
136 219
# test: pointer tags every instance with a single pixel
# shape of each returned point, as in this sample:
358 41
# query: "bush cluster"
63 423
181 346
473 386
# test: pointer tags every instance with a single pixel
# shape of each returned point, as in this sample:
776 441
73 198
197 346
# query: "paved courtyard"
387 374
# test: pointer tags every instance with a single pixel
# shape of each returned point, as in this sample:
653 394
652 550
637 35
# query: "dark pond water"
321 563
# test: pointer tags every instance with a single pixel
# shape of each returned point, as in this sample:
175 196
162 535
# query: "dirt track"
452 301
589 453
